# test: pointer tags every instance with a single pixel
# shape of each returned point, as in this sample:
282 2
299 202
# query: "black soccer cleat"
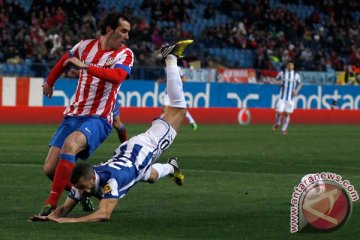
87 204
46 210
176 49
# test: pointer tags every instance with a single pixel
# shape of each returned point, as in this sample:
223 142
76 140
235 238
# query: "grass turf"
239 181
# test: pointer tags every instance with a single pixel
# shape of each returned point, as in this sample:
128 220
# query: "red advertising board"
268 76
53 115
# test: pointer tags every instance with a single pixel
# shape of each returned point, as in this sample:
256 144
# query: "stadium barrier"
141 93
53 115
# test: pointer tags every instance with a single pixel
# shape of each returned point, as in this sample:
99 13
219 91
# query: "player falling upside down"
290 84
133 160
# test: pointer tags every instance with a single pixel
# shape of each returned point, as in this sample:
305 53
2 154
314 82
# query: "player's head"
83 177
290 65
116 26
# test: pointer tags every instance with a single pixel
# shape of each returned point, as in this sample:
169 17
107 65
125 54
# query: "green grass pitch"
239 181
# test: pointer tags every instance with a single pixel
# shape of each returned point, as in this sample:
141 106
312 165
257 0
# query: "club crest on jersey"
107 189
109 61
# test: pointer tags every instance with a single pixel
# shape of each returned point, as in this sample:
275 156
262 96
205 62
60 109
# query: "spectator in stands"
209 11
330 26
38 66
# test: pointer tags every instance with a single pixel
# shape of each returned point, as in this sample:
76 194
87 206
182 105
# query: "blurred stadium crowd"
318 35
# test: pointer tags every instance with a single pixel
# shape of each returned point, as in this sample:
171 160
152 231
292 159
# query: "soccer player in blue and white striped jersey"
134 160
290 85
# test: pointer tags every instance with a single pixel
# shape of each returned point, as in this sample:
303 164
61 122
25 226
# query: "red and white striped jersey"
95 96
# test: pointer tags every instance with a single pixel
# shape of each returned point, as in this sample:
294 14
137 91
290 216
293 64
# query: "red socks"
122 134
61 179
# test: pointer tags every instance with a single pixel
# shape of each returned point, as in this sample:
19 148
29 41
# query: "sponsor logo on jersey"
109 61
107 189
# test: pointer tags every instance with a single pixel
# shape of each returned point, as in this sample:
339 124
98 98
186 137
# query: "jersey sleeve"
57 70
297 78
74 194
279 76
74 52
111 190
125 61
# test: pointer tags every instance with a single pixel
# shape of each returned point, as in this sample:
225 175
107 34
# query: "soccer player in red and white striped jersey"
104 64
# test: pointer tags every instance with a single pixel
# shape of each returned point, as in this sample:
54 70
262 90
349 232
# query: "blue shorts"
96 130
116 109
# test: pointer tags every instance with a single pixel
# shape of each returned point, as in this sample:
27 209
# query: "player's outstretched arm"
106 207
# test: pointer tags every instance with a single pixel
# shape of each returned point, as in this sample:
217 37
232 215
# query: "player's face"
120 35
290 66
86 185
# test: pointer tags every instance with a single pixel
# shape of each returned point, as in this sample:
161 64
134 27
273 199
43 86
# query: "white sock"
278 119
163 169
189 117
174 86
286 123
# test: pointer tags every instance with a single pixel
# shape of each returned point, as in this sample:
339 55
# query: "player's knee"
72 146
182 112
49 171
154 176
117 125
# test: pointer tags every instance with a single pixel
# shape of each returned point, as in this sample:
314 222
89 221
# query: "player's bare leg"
161 170
74 143
120 129
177 108
51 161
285 124
277 121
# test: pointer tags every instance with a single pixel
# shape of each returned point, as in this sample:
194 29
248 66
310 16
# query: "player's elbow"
104 216
104 219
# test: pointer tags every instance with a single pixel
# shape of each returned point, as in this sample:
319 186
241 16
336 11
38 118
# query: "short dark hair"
112 20
290 61
81 170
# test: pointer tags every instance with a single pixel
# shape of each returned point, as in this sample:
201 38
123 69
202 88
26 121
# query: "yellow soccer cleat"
176 49
177 176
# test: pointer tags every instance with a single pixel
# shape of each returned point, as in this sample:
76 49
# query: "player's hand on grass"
37 218
47 90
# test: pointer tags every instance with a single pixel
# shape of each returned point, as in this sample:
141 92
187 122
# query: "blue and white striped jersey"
289 81
115 177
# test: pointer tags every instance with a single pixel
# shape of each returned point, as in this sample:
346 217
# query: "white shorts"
144 149
285 106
